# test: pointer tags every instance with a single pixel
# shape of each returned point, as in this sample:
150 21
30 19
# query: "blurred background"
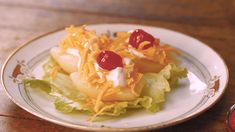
211 21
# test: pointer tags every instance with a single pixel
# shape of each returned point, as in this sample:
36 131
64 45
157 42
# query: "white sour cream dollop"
118 77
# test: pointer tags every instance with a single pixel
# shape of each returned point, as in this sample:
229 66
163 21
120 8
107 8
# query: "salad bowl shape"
205 83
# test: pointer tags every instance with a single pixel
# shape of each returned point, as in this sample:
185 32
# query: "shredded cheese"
141 45
89 45
112 91
98 103
100 112
54 72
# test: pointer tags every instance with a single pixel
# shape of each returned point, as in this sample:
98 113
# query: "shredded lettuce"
173 73
40 84
68 98
48 67
67 105
157 84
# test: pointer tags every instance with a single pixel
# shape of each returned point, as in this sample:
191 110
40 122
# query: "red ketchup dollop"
139 36
109 60
231 120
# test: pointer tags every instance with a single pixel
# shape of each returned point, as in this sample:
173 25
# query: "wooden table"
212 22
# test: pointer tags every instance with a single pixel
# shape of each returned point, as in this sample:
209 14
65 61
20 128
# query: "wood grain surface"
211 21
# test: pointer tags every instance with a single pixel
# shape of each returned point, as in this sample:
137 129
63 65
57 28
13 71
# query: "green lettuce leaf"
40 84
67 105
48 67
117 109
157 84
61 83
173 73
67 97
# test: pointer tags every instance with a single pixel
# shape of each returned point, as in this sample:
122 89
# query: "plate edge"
104 128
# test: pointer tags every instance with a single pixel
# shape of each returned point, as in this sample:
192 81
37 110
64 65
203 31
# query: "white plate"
204 85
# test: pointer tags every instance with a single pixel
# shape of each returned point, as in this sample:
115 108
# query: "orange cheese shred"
54 72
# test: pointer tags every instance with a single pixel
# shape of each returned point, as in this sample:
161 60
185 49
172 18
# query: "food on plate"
105 75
